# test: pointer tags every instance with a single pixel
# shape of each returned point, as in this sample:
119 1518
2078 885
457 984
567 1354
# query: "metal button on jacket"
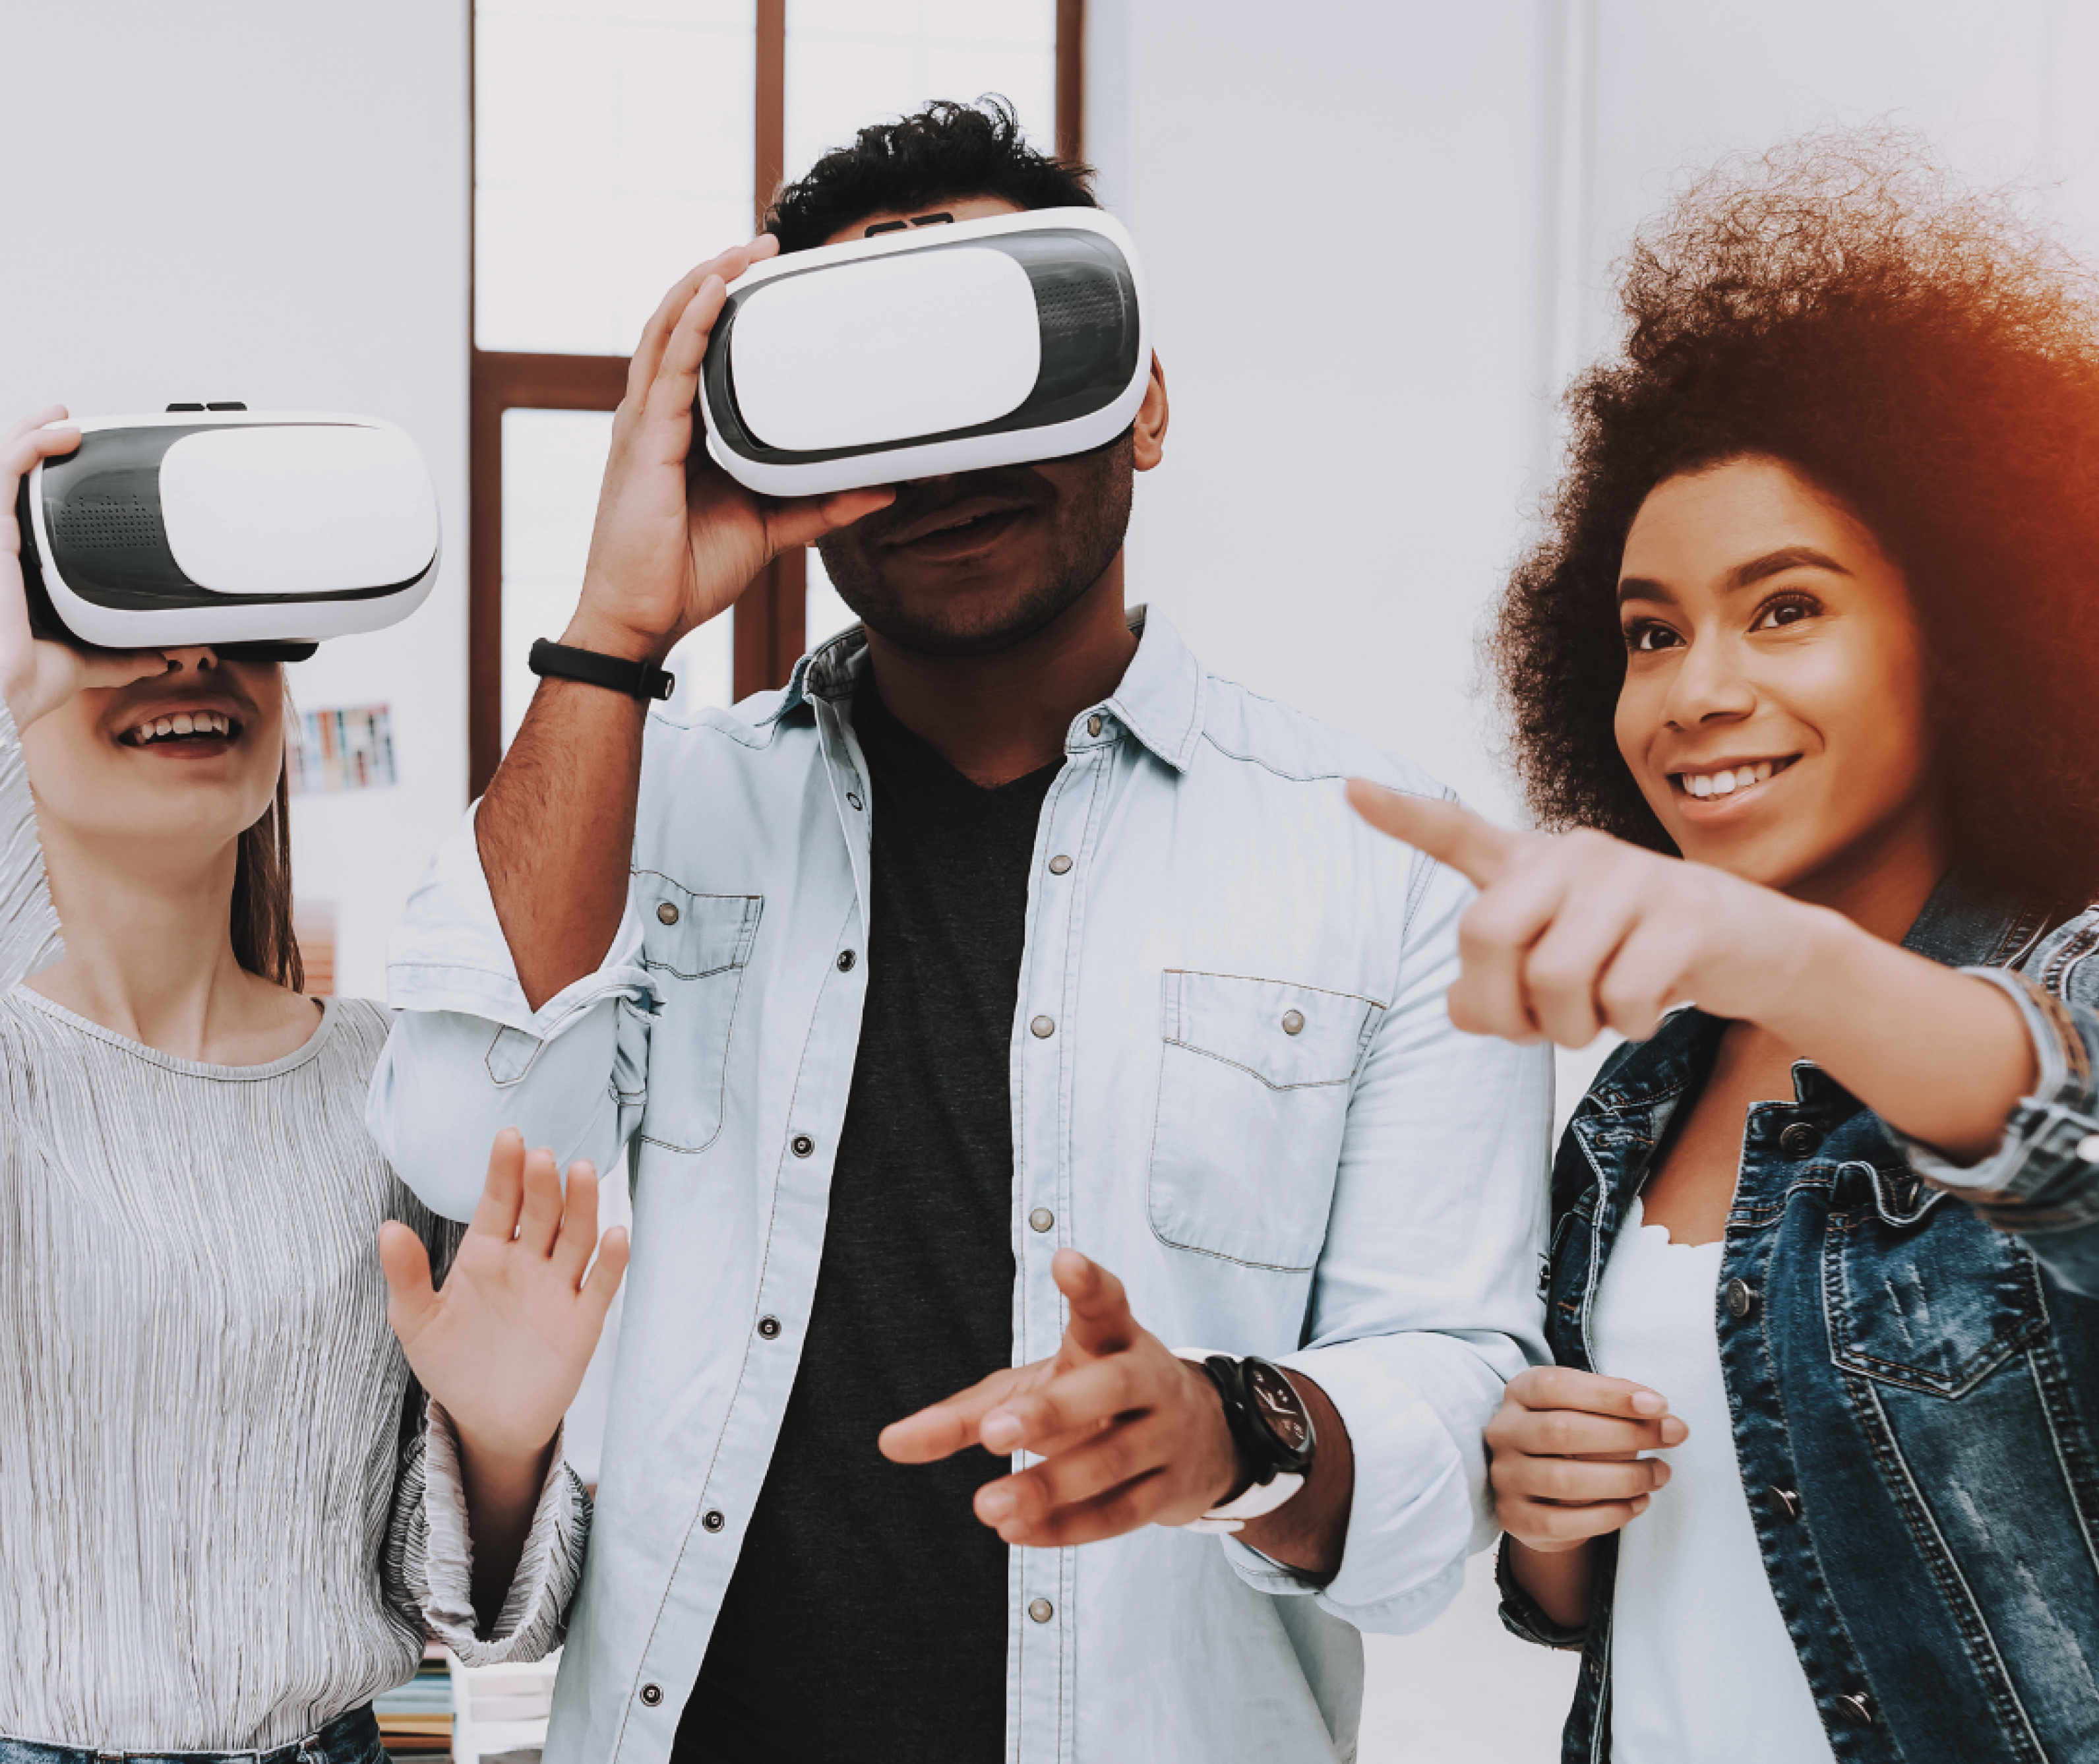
1798 1140
769 1328
1060 863
1293 1021
1041 1219
1784 1502
802 1144
1042 1610
713 1519
652 1694
1044 1028
1092 728
1741 1297
846 958
1856 1708
668 912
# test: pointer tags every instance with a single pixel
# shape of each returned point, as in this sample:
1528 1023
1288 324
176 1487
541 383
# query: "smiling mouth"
187 728
1728 781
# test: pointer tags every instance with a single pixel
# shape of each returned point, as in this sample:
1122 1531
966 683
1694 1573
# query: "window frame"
769 621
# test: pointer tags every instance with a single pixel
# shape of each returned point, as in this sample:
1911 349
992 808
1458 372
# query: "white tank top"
1702 1670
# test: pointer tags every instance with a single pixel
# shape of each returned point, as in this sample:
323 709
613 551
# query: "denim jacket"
1912 1356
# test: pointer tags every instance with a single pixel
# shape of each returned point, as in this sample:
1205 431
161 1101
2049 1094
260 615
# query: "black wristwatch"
1272 1428
615 673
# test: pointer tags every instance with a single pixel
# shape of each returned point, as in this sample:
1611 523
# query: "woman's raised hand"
37 674
1577 932
1563 1455
504 1345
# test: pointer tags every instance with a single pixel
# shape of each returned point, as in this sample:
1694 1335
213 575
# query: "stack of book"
415 1718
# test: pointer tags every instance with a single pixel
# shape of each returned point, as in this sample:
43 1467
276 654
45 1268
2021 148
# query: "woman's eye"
1650 637
1781 612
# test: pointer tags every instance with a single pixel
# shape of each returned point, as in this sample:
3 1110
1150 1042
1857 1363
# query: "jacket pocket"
695 947
1254 1083
1935 1301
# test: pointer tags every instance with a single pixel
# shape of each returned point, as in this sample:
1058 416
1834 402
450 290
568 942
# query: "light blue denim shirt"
1361 1195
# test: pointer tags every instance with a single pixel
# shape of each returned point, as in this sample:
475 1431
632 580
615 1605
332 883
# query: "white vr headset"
928 349
260 531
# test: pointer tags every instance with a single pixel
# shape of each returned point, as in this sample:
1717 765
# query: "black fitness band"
638 679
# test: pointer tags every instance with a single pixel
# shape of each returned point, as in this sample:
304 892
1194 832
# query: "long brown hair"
263 940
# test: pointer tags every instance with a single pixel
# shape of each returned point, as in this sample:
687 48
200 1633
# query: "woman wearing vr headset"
1814 611
229 1514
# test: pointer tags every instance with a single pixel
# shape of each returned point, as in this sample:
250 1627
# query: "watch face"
1276 1401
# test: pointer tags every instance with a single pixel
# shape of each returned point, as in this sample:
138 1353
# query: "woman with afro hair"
1804 683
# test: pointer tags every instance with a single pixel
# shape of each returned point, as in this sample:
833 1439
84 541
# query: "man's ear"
1148 433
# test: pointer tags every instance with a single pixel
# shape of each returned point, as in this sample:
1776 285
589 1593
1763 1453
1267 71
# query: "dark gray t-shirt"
867 1615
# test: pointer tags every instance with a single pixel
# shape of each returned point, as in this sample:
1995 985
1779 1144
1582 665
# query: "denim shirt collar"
1159 699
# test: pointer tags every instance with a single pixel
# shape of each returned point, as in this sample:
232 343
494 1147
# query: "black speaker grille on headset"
1078 299
95 525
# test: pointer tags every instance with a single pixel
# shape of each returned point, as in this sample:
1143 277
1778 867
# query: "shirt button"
852 799
713 1519
769 1328
1856 1708
802 1144
846 958
1784 1502
668 912
1040 1609
1041 1219
1060 863
1293 1021
1092 728
652 1694
1798 1140
1741 1298
1044 1028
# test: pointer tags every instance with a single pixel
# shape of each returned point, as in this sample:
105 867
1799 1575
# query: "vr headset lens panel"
949 349
242 529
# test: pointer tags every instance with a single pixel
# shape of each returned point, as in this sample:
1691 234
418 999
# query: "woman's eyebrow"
1773 563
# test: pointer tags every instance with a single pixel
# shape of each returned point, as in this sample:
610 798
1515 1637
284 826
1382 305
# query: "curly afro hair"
940 154
1929 355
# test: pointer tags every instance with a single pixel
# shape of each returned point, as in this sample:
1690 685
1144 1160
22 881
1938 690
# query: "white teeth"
163 726
183 723
1699 785
1705 784
1723 784
1763 770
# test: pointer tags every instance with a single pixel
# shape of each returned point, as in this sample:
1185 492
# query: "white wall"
248 199
1378 238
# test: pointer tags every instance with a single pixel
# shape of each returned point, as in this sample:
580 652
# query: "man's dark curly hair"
1931 356
940 154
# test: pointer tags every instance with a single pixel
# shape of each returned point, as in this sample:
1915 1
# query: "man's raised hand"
1129 1435
1577 932
676 538
504 1343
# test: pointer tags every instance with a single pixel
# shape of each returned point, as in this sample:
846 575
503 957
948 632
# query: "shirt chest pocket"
1931 1298
695 947
1254 1083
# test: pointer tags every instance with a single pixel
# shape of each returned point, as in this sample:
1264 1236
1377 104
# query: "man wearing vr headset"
1004 948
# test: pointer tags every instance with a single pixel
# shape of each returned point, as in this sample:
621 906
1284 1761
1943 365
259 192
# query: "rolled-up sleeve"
468 1056
2041 1183
429 1557
1425 1301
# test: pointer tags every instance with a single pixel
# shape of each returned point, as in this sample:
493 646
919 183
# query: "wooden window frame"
769 624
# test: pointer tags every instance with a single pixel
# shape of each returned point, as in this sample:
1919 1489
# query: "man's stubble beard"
1095 518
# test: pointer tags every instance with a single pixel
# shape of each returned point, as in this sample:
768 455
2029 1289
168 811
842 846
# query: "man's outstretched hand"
1129 1435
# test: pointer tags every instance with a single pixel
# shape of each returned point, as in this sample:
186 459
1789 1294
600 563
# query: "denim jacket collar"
1159 700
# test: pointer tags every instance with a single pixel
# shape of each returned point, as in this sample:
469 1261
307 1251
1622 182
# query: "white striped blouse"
223 1518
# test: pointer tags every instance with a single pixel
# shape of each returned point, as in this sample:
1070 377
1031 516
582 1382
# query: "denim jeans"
351 1738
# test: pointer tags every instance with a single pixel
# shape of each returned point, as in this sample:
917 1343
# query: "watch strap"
615 673
1261 1498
